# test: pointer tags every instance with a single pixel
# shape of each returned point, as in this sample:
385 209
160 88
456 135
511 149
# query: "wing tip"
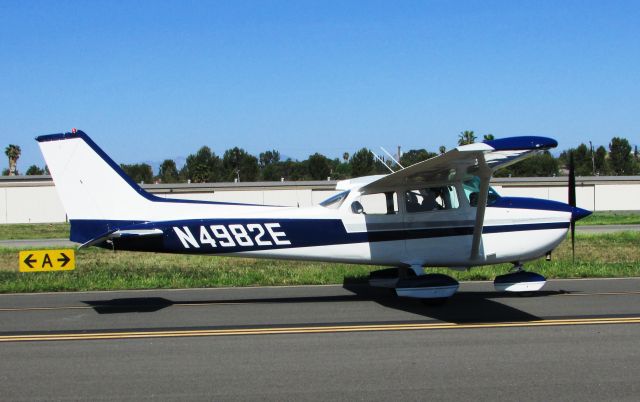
522 143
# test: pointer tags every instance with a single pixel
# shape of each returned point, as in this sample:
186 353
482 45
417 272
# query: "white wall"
24 200
30 205
618 197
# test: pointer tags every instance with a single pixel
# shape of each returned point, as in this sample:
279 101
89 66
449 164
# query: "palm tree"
442 149
13 153
345 156
466 137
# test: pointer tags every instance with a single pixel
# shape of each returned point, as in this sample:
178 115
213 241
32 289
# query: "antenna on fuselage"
392 158
381 161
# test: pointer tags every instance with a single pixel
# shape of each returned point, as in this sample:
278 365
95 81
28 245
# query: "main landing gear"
412 282
519 280
437 288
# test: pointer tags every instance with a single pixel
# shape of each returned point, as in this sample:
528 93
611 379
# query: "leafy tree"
414 156
442 149
319 166
340 170
620 159
602 167
268 157
238 164
272 172
139 172
382 166
539 165
202 167
345 157
168 172
270 168
581 159
294 170
34 171
489 137
13 153
466 137
362 163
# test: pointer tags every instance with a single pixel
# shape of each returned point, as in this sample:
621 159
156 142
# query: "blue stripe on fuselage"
531 203
197 236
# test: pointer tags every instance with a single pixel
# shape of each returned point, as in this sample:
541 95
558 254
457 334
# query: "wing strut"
485 176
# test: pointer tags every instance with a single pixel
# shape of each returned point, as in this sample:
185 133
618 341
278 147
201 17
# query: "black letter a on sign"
47 260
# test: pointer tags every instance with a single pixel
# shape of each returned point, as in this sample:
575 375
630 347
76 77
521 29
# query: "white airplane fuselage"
107 209
437 238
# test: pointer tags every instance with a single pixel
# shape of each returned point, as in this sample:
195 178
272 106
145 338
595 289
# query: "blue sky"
150 80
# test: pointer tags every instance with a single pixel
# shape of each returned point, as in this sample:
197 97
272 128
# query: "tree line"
236 164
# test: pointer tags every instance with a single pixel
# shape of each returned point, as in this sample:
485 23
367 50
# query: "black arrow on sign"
64 259
29 261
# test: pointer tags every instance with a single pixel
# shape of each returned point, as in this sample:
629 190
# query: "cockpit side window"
471 188
431 199
376 204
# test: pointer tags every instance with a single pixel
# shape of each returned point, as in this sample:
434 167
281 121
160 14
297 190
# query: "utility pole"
593 160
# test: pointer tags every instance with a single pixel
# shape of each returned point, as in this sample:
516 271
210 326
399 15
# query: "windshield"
335 201
471 188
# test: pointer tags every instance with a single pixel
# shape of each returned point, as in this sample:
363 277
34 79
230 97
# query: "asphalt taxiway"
575 339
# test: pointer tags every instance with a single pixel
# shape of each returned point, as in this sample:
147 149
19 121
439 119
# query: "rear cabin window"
431 199
376 204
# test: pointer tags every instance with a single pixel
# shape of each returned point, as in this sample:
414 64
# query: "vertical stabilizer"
91 185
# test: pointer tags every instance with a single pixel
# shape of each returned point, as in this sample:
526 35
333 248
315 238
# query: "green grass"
608 255
611 218
34 231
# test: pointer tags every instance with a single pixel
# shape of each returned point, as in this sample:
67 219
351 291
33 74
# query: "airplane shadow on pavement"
463 307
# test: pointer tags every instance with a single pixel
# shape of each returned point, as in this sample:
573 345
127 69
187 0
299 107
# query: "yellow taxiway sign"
47 260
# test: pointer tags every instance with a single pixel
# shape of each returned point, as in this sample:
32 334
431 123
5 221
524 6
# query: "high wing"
490 155
481 159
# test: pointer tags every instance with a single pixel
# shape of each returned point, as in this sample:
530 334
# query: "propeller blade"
573 240
572 181
572 202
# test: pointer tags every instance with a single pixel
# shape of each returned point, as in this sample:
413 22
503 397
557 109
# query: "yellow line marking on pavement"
45 308
116 307
311 330
603 294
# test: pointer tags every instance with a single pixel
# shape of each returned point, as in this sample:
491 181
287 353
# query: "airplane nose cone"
579 213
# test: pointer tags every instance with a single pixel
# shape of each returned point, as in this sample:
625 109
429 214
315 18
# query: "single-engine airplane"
441 212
